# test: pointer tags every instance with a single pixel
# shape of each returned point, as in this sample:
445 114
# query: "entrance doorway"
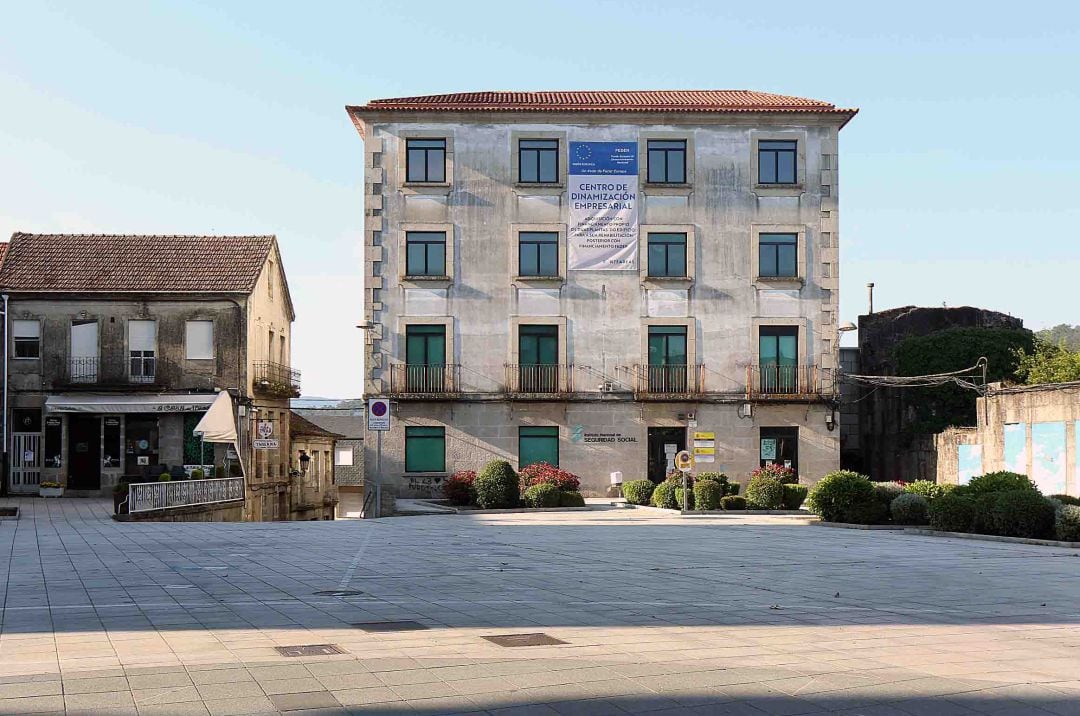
141 446
84 452
663 444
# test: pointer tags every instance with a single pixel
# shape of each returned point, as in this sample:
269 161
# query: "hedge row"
497 486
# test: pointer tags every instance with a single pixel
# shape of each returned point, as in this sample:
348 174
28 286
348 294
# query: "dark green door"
667 359
425 359
778 347
538 358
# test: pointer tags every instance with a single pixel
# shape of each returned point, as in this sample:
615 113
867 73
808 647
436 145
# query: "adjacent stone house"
314 491
348 423
117 344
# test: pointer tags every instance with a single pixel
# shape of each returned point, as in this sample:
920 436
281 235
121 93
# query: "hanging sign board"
265 444
768 448
265 429
378 414
603 231
704 458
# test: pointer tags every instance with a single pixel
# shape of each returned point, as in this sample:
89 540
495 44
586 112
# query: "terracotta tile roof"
299 425
608 101
119 264
3 251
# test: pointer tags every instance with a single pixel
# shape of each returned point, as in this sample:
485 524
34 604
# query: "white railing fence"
145 496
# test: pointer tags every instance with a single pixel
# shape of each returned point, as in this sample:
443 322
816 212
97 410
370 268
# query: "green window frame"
538 253
425 344
778 356
538 444
667 345
667 255
538 345
538 161
778 255
425 253
425 160
425 449
778 161
667 161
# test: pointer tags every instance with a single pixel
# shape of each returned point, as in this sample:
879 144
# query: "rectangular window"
343 456
538 253
84 351
199 340
270 279
425 160
27 336
142 351
779 446
425 253
425 358
778 351
778 255
538 444
667 255
777 161
538 358
538 161
667 359
425 449
667 161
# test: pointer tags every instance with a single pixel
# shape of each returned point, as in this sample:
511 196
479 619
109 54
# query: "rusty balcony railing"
276 379
782 381
539 379
669 380
83 369
436 379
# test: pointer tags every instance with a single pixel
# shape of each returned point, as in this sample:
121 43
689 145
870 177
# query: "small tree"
1048 363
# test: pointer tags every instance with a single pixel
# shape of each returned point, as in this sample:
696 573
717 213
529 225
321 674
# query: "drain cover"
500 569
390 626
510 640
339 593
310 650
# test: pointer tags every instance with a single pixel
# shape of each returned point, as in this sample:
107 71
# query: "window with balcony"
199 340
425 358
667 369
84 351
425 253
777 161
425 160
778 255
667 161
142 351
667 255
27 338
538 161
538 253
538 444
425 449
538 359
778 351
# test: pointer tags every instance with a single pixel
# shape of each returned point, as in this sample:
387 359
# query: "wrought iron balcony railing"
669 380
276 379
782 381
438 379
539 379
83 369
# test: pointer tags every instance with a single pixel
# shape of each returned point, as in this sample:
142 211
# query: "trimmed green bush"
868 511
679 499
571 498
765 492
930 491
732 489
910 508
198 474
794 496
543 495
952 512
836 493
707 494
886 492
1067 523
638 492
664 495
164 477
1000 482
732 502
1067 500
1014 513
496 486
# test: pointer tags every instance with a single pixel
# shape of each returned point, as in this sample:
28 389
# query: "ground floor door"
84 452
25 462
663 444
141 446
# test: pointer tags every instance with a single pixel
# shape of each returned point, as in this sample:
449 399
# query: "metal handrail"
776 380
539 378
146 496
269 374
434 379
663 380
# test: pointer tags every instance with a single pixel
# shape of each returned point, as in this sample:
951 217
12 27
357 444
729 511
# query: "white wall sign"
378 414
265 444
603 232
265 429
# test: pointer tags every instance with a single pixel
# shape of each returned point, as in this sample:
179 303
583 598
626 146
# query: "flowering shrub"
785 475
458 488
542 473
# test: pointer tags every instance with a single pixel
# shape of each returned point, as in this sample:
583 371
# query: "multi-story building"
600 279
117 346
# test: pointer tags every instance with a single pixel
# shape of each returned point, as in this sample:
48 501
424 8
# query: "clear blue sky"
960 178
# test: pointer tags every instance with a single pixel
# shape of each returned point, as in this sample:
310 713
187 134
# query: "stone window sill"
780 281
668 189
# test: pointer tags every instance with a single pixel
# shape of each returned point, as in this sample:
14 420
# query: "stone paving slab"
659 614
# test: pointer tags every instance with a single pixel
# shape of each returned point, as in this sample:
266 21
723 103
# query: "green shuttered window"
425 449
538 444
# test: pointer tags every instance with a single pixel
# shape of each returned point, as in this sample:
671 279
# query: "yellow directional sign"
704 451
704 436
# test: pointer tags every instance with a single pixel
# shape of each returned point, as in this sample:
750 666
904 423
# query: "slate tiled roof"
608 101
56 263
299 425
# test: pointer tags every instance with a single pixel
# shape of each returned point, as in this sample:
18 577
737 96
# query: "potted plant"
50 488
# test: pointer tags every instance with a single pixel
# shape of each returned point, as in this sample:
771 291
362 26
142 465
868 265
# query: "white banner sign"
603 233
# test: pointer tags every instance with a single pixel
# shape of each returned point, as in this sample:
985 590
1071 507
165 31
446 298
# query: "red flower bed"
785 475
458 488
542 472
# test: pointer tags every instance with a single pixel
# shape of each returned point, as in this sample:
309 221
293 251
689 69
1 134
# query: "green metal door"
425 358
538 358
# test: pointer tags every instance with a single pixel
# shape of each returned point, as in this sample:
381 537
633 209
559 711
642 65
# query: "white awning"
219 423
98 403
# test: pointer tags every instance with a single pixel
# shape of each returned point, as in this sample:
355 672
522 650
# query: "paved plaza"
658 615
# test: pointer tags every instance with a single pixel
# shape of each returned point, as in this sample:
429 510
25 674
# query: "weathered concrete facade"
1032 430
602 317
